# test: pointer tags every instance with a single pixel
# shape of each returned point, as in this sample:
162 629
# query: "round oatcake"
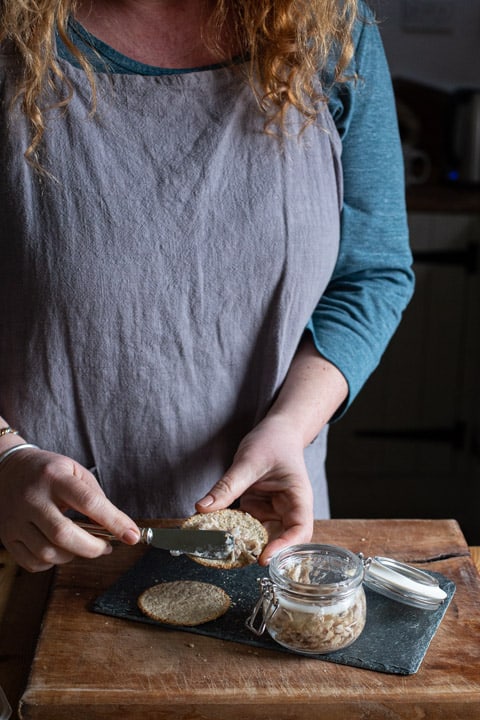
184 602
250 536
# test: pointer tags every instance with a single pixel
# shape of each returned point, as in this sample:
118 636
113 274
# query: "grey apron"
154 292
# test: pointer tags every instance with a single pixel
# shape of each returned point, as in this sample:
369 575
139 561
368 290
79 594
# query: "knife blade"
212 544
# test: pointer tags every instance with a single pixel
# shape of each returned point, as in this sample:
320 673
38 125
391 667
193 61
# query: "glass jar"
313 601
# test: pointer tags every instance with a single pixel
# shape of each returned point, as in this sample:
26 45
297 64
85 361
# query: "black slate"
394 640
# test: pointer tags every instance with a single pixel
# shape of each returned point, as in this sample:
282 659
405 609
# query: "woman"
204 255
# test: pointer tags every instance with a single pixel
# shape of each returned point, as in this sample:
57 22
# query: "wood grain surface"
475 553
91 667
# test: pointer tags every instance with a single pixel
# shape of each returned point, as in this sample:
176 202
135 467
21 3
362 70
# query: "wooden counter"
92 667
475 553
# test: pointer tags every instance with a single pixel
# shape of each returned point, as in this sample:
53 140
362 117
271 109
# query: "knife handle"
101 532
96 530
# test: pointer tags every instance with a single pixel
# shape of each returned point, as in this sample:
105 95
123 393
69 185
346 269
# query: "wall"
410 444
435 42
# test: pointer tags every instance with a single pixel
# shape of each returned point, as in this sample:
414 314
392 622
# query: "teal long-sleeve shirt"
373 279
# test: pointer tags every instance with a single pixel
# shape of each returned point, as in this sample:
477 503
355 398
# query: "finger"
88 499
34 552
293 526
274 528
283 510
240 476
25 558
259 506
295 535
55 539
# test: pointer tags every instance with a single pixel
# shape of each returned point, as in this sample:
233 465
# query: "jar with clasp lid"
313 600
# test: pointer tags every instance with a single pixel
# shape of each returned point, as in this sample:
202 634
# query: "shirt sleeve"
373 279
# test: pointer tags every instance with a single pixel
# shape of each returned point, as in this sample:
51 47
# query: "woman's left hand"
269 476
268 472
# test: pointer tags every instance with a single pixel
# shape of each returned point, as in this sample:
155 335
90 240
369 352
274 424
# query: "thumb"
85 495
238 478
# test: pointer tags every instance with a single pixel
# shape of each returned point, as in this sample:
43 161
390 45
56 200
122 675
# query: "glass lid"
403 583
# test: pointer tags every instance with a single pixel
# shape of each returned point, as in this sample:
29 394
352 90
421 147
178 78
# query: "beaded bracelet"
16 448
8 431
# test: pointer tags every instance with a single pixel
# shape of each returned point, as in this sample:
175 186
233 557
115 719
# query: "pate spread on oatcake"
250 536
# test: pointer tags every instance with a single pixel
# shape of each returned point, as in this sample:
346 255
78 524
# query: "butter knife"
211 544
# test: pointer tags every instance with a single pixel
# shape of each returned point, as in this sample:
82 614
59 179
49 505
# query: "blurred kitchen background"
410 444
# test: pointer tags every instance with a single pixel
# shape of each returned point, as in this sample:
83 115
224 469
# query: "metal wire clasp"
267 605
366 561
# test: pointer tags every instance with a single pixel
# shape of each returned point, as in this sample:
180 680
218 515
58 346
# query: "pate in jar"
313 601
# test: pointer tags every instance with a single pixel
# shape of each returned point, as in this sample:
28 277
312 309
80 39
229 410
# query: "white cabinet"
410 444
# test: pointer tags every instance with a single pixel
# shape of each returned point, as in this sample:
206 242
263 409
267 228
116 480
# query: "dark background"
410 444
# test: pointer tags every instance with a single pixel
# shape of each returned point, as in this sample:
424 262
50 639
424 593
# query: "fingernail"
206 501
108 550
131 537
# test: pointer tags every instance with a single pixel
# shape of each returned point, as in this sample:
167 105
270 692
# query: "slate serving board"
395 639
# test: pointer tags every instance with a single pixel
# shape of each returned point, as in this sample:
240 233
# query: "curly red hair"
287 43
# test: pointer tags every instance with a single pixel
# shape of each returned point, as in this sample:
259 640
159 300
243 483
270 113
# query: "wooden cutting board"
89 666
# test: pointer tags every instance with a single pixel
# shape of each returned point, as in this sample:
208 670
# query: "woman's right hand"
36 489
